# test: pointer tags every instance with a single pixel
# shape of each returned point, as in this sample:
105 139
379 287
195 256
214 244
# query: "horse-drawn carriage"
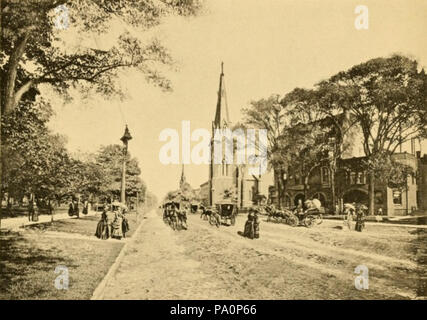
222 213
309 217
175 217
227 211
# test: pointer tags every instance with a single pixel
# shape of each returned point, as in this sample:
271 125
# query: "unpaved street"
205 262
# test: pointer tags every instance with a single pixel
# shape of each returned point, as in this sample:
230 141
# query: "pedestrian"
360 221
76 208
109 219
30 210
125 225
85 207
256 225
71 209
50 207
249 231
35 215
102 227
117 225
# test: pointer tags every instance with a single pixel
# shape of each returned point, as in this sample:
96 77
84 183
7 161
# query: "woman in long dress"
116 226
249 231
125 225
256 225
360 221
102 227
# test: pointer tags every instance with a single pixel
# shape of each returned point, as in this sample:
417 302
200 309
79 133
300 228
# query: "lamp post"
125 139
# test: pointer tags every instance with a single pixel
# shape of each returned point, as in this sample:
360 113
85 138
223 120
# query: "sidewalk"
15 223
384 223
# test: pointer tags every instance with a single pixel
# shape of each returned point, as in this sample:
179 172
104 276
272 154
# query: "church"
231 181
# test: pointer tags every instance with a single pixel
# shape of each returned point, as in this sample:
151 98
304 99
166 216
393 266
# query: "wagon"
172 215
169 212
309 218
227 211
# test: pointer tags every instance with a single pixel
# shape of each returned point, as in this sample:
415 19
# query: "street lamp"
125 139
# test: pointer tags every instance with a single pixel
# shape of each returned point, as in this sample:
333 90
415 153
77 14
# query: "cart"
227 211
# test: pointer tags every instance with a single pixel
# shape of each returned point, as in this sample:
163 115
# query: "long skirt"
125 227
359 225
249 231
256 230
102 230
117 228
36 215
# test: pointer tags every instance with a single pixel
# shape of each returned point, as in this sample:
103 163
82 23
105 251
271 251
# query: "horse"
181 216
205 213
212 215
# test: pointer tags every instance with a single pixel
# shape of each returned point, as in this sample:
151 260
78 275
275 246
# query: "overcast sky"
268 46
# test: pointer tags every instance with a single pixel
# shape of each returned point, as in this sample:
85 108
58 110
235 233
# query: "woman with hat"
249 230
117 225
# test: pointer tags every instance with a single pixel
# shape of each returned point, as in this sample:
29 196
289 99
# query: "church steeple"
222 118
182 181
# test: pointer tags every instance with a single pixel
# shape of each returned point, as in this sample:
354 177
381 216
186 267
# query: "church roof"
222 118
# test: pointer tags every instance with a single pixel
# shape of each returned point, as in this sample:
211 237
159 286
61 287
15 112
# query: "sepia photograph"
213 154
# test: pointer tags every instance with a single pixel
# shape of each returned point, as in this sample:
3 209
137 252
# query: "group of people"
113 224
357 213
74 210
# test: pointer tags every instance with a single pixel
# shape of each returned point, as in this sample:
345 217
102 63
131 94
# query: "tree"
32 54
32 152
30 35
386 97
110 159
270 114
318 131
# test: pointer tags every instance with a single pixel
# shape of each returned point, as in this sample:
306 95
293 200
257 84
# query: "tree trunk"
333 194
12 70
305 187
278 187
371 191
1 157
283 184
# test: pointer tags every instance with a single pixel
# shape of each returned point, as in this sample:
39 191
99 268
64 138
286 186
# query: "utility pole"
125 139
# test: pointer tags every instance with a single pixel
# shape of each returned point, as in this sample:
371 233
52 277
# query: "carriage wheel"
309 221
212 220
292 221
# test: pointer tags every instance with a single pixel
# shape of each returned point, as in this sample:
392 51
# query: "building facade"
230 178
351 184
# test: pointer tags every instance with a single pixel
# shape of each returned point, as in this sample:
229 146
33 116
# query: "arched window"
324 175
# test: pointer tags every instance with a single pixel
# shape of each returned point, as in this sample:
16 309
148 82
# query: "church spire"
182 181
222 118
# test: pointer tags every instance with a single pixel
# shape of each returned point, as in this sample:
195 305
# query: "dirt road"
206 262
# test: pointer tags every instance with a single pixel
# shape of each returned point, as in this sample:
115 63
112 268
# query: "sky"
267 47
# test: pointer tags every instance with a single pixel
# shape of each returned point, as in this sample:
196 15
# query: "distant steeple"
182 181
222 118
